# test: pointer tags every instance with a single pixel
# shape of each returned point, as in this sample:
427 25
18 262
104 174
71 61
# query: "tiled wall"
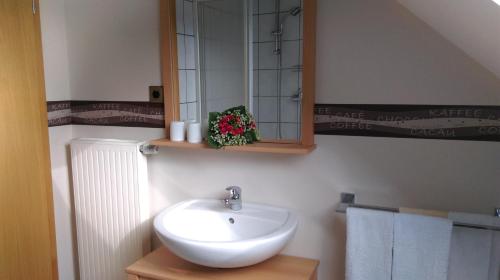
277 112
186 47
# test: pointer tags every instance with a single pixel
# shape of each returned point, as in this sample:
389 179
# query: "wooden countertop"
161 264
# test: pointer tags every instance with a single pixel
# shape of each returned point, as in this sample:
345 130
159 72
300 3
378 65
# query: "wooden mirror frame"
170 79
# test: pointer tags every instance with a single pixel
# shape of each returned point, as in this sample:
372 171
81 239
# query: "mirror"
243 52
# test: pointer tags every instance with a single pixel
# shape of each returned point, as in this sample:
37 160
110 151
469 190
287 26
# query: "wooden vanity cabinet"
161 264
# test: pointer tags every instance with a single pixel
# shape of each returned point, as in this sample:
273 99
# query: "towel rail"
348 200
148 149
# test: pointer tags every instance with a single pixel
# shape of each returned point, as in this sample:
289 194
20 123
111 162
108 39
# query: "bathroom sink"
206 233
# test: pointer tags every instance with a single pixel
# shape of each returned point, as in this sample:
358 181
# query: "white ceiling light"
497 1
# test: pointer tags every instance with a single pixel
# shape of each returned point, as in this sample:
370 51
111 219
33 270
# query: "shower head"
279 30
292 12
295 11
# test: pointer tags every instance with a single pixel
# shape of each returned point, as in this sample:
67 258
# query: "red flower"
224 126
227 118
237 131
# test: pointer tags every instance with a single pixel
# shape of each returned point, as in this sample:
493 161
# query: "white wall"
378 52
113 48
63 201
367 53
427 174
472 25
102 50
55 54
57 88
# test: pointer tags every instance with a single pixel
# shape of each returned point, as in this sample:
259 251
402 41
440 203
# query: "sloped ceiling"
472 25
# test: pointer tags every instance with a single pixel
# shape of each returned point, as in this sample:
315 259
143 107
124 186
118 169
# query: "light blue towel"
369 244
494 273
421 247
470 254
474 219
475 257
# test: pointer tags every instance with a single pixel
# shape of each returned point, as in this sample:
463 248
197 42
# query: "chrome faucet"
233 202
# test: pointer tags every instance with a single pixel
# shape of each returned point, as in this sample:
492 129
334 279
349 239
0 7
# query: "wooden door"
27 239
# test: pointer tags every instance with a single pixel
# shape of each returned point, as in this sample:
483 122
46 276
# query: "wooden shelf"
259 147
162 264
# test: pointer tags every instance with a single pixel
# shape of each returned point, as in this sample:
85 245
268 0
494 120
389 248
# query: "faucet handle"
234 192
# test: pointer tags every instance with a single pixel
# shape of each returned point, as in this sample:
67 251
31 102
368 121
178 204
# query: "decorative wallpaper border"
453 122
106 113
59 113
480 123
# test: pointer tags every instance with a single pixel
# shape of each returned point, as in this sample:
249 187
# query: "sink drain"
231 220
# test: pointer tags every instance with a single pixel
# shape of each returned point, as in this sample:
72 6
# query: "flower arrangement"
233 127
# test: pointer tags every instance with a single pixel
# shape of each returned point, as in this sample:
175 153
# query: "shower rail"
347 200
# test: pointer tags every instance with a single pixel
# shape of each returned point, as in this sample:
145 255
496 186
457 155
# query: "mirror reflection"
242 52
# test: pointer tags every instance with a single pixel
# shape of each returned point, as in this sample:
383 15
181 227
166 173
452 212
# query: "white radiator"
111 206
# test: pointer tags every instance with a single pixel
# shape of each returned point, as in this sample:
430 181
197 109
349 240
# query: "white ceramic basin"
207 233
